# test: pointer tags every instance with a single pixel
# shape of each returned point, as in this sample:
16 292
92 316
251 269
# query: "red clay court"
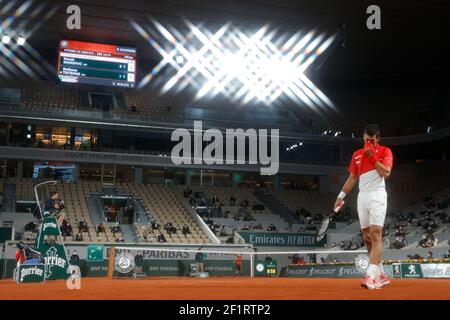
226 289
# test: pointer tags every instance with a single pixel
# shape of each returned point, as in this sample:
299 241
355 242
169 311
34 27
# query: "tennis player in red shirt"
370 165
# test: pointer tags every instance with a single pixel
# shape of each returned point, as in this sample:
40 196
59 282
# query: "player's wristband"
342 195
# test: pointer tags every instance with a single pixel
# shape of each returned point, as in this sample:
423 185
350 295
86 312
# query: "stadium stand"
164 207
415 109
74 195
153 106
229 209
50 95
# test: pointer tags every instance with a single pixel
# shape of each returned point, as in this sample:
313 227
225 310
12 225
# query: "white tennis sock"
371 270
380 267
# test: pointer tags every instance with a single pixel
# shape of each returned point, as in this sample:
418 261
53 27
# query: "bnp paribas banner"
176 263
280 239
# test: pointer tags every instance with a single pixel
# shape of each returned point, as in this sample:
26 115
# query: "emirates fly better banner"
279 239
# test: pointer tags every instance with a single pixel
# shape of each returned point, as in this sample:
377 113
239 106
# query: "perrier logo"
52 259
50 225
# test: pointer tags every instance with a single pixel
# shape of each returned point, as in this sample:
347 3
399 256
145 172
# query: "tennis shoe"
384 280
370 283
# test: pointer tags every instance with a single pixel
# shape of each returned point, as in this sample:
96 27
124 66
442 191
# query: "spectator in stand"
69 229
79 237
312 258
430 255
187 192
116 229
168 226
447 255
154 225
445 203
63 227
294 258
322 260
344 245
222 231
232 200
100 228
82 226
426 242
411 216
310 226
227 214
354 245
186 230
161 238
418 257
297 212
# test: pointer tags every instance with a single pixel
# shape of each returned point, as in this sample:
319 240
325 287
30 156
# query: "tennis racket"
326 222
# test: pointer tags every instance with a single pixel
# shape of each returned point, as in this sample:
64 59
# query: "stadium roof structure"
410 40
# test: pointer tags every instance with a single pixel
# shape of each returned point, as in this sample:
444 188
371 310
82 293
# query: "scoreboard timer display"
94 63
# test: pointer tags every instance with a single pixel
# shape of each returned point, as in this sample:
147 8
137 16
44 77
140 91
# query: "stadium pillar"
5 168
324 182
138 175
189 177
72 138
76 172
277 182
19 171
236 178
8 134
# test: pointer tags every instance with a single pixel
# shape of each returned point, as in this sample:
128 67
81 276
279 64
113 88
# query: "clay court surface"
225 288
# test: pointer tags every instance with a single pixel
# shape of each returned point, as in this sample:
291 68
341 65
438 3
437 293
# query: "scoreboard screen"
94 63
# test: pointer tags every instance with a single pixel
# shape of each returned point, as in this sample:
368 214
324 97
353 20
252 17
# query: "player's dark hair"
372 130
53 193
